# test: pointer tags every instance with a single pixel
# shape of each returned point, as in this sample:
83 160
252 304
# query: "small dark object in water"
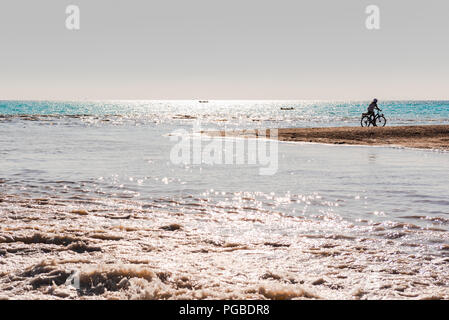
287 108
172 227
318 282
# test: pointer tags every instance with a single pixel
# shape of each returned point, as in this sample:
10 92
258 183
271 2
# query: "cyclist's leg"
371 117
374 120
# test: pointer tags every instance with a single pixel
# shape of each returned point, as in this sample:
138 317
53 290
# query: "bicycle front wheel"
381 121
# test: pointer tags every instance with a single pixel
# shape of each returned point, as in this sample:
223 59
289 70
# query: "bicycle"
378 120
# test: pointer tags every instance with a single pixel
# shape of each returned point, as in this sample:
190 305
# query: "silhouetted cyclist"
373 106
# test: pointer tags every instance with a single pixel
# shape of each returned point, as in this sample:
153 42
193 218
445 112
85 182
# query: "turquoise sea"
304 113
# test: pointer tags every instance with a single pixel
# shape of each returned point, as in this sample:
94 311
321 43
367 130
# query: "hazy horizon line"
211 100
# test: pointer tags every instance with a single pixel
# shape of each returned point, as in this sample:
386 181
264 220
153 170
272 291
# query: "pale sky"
233 49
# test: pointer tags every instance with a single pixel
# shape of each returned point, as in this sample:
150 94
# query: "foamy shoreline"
123 250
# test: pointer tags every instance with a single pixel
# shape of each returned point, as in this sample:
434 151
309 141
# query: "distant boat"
287 108
203 101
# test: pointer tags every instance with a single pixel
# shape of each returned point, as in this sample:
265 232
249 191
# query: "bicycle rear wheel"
365 122
381 121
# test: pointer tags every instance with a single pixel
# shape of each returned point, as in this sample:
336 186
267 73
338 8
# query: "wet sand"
123 250
423 137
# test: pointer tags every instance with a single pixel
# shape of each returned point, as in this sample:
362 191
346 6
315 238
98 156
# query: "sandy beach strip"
423 137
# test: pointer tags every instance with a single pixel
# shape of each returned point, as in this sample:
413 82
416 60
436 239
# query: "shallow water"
92 169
